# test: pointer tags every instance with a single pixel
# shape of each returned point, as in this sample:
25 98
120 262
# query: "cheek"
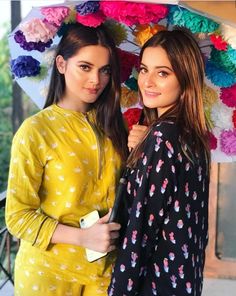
140 82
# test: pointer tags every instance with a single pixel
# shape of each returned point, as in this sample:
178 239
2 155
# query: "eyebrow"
158 67
90 64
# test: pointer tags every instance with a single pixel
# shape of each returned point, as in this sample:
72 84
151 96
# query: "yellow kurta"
60 170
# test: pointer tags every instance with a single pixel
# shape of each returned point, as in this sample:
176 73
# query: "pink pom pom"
55 15
91 20
133 13
228 142
228 96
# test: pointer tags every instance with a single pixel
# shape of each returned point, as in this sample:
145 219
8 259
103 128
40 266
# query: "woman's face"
157 81
86 74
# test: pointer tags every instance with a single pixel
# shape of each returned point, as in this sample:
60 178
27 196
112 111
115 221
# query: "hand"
136 135
101 236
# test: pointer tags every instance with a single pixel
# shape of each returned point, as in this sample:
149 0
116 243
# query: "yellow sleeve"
23 217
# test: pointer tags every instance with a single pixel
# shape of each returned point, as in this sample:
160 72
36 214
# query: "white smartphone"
87 221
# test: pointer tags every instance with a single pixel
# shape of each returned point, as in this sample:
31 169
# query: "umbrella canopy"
33 42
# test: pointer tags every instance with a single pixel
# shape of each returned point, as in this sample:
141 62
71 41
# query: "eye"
163 74
106 70
142 70
84 67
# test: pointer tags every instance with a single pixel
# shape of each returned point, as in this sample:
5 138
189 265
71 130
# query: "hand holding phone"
85 222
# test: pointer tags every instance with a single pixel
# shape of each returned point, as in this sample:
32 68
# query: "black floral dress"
163 249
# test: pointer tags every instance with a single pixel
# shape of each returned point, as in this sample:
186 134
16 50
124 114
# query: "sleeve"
23 217
156 179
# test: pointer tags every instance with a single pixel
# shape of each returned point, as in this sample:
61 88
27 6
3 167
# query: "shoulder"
33 125
166 130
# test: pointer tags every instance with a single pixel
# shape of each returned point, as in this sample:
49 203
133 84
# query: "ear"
61 64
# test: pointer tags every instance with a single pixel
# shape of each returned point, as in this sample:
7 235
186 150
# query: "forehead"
95 54
155 56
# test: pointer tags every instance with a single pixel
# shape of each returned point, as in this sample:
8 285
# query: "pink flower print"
188 288
154 289
135 193
164 234
167 219
164 185
152 189
175 188
124 243
134 235
122 267
190 232
157 146
157 270
129 187
173 279
148 171
203 186
194 195
130 285
159 164
195 239
176 206
181 271
180 224
186 189
144 240
173 169
187 209
171 236
170 149
134 257
202 204
199 171
145 200
172 256
193 260
196 217
161 212
185 250
151 219
187 166
140 181
144 160
139 206
180 159
157 134
166 265
169 200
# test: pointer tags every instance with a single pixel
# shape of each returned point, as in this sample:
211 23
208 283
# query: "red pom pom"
132 116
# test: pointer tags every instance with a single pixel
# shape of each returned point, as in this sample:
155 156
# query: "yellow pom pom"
128 97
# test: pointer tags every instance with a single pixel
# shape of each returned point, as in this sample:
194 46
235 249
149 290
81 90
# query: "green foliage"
5 111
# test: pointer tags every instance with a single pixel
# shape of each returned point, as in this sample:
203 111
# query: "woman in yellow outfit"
65 163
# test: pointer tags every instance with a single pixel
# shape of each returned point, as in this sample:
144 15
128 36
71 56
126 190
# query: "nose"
149 79
95 77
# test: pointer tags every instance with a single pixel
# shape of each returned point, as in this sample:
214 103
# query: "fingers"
105 218
136 134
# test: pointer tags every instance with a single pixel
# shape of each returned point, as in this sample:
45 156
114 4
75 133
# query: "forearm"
65 234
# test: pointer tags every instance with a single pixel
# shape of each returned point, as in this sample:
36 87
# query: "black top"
163 249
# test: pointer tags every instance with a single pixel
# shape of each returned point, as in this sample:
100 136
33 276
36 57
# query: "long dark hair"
188 113
108 113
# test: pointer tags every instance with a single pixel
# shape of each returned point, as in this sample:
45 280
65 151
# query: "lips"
148 93
92 91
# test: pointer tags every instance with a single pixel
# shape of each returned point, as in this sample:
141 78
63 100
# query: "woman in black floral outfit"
163 248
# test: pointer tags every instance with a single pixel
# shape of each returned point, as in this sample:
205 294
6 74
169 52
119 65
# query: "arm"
23 216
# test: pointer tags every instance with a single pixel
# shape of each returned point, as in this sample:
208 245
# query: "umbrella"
33 42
